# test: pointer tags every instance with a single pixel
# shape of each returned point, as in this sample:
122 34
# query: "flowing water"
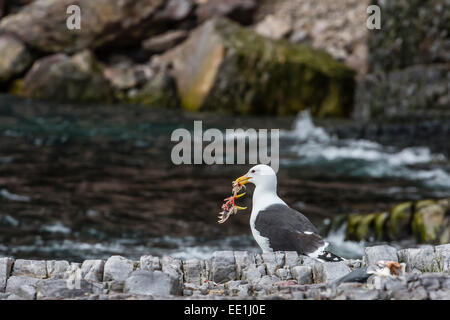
80 182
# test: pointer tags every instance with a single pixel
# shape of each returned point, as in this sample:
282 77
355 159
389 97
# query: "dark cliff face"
408 62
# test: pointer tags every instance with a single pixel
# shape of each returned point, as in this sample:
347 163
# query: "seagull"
277 227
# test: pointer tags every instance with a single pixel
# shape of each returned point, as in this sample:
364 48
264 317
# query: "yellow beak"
242 180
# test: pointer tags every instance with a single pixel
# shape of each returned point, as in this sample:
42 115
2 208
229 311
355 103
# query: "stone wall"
228 275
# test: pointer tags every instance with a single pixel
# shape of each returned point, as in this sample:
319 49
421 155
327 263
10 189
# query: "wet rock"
165 41
60 289
42 24
149 263
222 66
5 271
117 268
420 259
241 11
31 268
145 282
223 266
15 58
329 271
428 223
57 269
93 270
22 286
303 274
63 78
376 253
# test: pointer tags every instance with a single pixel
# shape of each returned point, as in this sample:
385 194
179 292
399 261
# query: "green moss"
427 223
16 87
259 75
359 227
352 225
445 235
398 221
424 203
160 91
379 221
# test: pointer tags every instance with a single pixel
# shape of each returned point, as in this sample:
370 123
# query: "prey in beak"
241 181
230 207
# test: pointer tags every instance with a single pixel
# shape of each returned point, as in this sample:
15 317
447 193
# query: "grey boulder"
117 268
377 253
5 271
330 271
143 282
223 266
31 268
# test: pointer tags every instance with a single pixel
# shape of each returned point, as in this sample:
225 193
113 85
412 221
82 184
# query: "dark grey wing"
358 275
288 230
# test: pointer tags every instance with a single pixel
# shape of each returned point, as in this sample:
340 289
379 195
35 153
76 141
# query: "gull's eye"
253 171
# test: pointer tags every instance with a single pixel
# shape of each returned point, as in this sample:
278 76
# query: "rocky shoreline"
229 275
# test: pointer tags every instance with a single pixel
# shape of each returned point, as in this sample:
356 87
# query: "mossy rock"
159 91
380 221
399 220
59 77
360 227
352 225
223 66
428 223
15 58
423 203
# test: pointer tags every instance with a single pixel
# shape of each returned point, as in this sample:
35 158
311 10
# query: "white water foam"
313 145
345 248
